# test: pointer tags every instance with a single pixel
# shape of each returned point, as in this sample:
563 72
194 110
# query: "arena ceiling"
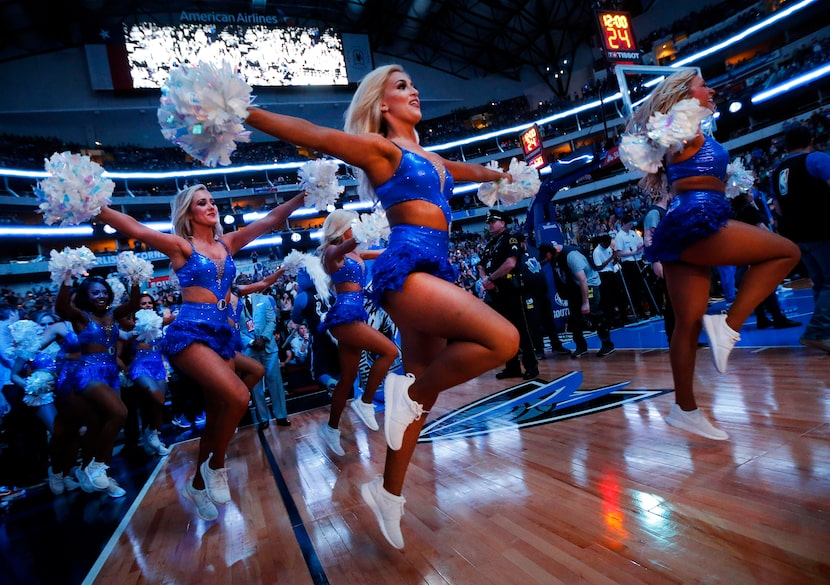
466 38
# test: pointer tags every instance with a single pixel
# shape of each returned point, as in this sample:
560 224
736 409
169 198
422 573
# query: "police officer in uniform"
501 278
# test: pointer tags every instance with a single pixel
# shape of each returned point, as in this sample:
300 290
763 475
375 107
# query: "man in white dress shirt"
629 250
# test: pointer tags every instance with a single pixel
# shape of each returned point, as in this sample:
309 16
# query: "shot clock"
532 147
618 40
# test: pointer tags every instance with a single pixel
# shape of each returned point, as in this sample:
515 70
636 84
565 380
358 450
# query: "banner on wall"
558 305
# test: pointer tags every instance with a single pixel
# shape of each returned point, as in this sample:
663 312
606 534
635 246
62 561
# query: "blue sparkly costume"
413 248
147 363
206 323
348 307
693 215
67 369
99 366
44 361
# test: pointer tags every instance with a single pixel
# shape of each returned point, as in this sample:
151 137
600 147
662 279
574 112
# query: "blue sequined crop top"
70 343
44 361
95 333
709 161
199 270
416 179
351 271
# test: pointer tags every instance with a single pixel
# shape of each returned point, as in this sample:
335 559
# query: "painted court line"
102 558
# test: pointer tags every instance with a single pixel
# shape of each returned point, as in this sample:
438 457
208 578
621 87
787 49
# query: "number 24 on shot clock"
617 37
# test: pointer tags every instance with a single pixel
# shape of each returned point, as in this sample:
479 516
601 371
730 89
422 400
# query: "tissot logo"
530 404
624 55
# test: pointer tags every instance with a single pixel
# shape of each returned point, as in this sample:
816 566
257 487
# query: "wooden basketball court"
614 496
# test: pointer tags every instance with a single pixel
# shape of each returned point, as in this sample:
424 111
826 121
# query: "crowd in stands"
29 152
710 18
805 58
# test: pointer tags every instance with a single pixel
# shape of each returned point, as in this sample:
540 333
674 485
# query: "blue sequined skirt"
147 363
67 381
98 367
411 249
348 308
200 323
692 216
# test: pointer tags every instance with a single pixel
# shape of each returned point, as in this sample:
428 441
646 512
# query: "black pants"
632 273
613 296
579 323
513 306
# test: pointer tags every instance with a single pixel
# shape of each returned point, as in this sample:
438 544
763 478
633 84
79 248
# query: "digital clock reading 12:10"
617 36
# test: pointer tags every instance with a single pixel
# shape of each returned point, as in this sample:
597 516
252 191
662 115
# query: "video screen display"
265 56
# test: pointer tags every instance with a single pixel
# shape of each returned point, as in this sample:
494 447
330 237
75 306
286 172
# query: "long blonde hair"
337 223
364 116
669 92
180 213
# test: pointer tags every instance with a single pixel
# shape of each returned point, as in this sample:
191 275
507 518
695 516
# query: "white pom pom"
371 228
293 262
682 123
75 190
69 264
488 193
322 282
39 388
133 268
638 153
147 325
664 133
525 184
202 110
318 178
26 336
738 179
119 291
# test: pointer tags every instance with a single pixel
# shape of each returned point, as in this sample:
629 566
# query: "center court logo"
530 404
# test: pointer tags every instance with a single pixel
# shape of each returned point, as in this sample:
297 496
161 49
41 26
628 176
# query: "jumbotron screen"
265 56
